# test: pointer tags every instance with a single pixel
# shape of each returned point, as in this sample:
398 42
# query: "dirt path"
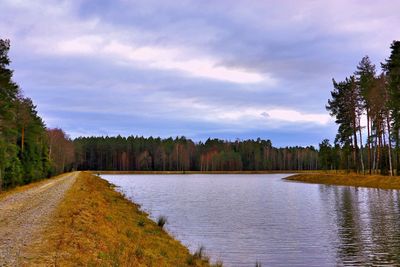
24 214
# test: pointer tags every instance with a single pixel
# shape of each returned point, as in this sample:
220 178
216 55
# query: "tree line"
374 96
182 154
28 151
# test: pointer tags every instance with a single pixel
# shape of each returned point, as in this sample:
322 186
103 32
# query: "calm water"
241 219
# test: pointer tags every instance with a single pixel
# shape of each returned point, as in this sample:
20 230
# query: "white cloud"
290 115
159 58
284 115
82 45
241 115
56 30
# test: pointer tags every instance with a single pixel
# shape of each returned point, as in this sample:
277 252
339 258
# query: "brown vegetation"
97 226
61 150
352 179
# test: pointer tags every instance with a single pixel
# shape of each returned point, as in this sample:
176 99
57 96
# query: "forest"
374 96
367 95
30 151
181 154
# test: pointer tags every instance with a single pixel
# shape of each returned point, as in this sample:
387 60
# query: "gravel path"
24 214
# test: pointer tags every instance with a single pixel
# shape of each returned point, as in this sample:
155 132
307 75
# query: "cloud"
174 59
88 37
156 57
199 68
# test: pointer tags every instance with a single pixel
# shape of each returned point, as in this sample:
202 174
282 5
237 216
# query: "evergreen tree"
345 105
365 77
10 166
23 140
392 71
326 155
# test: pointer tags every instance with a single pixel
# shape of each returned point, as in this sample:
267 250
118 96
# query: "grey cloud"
302 44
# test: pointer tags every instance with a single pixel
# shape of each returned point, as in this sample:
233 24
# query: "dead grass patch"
352 179
97 226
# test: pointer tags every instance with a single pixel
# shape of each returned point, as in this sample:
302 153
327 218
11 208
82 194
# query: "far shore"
198 172
351 179
314 177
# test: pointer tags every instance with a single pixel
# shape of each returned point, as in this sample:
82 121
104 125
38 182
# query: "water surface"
241 219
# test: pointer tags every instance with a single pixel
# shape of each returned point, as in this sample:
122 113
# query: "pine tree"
392 71
10 166
365 77
345 105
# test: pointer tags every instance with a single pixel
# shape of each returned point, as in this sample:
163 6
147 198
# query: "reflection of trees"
351 248
368 225
384 213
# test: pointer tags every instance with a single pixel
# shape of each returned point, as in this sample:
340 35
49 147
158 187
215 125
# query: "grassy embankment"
352 179
96 226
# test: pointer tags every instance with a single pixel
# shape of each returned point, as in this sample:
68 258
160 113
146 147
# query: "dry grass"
96 226
352 179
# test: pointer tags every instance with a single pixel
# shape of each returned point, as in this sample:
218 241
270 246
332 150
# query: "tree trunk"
355 144
378 159
368 142
389 145
361 147
375 151
397 152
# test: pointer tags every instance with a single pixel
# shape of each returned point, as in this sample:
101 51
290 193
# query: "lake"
241 219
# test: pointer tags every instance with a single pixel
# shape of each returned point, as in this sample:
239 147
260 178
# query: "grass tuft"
199 252
161 221
129 234
191 261
139 252
219 263
201 255
141 223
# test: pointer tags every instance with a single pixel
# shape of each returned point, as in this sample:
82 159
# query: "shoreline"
339 178
351 179
195 172
95 225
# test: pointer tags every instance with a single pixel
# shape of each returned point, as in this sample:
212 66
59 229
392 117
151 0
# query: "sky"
203 69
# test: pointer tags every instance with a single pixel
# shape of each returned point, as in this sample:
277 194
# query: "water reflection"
367 225
244 218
